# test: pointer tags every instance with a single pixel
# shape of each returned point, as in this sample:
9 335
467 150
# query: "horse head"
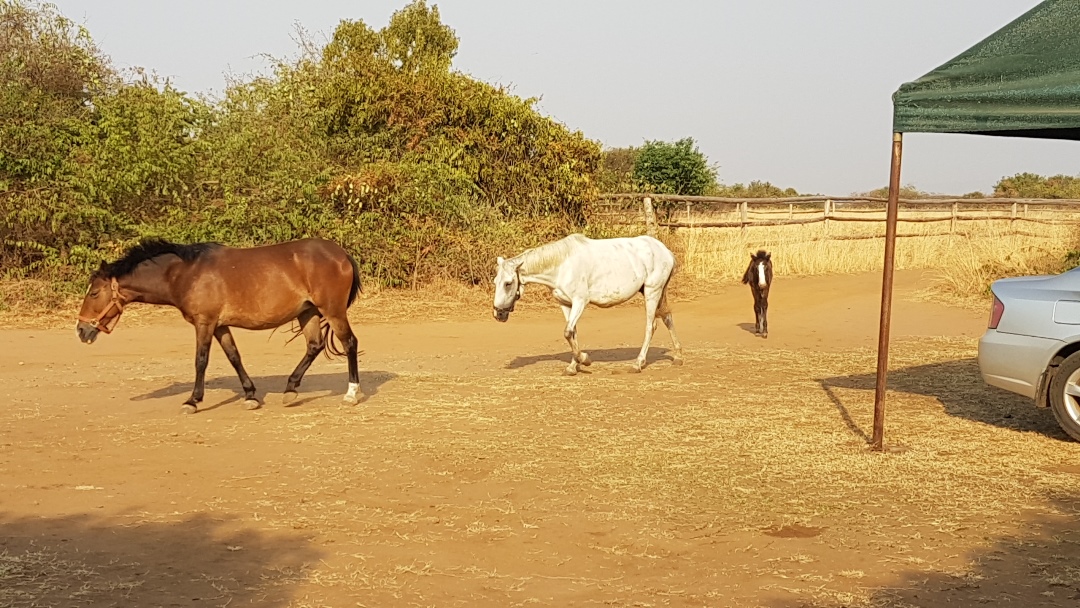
508 288
101 308
759 272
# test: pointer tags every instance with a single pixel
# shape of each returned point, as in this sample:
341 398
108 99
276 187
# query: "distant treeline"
1021 185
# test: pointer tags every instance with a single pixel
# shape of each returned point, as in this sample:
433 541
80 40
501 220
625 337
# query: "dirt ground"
474 474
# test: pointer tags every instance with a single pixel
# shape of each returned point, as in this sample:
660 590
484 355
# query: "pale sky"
795 92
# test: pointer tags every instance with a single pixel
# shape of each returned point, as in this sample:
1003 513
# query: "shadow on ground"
749 327
370 382
81 560
1039 566
961 391
607 355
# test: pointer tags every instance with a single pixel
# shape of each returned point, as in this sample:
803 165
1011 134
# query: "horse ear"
500 261
768 256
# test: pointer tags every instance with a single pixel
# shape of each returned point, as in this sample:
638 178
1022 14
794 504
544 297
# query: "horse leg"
765 316
341 328
664 312
652 303
757 312
309 324
225 339
572 314
204 336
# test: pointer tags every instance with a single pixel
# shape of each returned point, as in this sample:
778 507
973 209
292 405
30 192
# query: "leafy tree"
674 168
50 74
372 140
417 41
909 191
616 173
755 189
1031 185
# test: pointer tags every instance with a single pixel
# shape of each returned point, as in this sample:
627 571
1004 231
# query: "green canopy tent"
1021 81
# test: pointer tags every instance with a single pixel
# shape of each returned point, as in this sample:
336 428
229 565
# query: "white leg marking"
761 274
351 393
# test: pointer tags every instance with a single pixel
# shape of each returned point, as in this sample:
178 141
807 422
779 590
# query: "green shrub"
373 141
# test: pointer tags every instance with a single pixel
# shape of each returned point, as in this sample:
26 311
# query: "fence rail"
932 200
679 211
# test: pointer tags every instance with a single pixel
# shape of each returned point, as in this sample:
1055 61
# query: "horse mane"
543 257
149 249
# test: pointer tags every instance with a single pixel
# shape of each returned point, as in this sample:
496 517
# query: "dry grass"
966 262
26 577
666 477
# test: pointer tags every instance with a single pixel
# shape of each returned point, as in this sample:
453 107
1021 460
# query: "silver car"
1032 344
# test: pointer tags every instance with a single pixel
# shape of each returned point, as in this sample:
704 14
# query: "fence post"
952 222
828 212
790 210
688 219
1025 209
650 217
742 216
1012 221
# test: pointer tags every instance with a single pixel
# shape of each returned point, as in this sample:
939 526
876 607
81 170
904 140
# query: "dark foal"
216 287
759 276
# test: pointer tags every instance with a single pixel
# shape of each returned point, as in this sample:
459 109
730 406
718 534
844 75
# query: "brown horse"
759 276
216 287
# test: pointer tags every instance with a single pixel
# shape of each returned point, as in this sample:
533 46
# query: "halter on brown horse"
216 287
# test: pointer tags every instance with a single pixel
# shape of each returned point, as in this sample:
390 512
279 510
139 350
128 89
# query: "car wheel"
1065 395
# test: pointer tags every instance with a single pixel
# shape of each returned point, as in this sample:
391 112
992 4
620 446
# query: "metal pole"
877 442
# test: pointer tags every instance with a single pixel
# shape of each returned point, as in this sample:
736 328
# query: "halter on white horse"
604 272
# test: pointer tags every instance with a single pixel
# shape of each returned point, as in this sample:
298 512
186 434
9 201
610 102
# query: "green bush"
673 168
1031 185
373 141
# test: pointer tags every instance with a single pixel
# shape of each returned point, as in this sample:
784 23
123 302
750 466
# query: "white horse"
604 272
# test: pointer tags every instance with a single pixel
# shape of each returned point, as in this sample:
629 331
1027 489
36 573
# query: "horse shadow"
960 389
606 355
749 327
311 388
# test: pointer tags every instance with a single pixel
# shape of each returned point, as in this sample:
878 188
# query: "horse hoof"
583 359
569 372
187 408
635 369
252 404
288 397
765 335
350 400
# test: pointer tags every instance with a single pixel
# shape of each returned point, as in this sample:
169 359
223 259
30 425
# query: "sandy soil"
475 474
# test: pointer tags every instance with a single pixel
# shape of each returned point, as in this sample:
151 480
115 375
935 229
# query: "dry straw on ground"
691 488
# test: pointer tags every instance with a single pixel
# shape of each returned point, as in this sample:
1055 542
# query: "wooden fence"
672 211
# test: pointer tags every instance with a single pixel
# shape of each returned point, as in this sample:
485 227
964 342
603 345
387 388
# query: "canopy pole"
877 442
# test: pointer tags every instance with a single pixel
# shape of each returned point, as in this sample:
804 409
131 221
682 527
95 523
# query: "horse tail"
355 288
332 347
